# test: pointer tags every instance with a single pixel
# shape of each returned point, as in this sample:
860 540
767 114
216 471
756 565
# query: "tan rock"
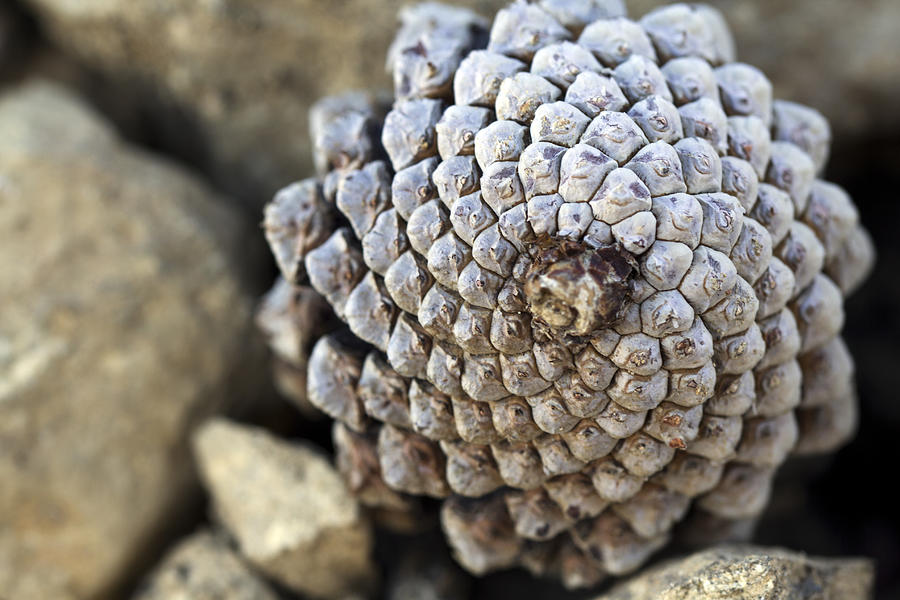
122 321
288 508
204 567
750 573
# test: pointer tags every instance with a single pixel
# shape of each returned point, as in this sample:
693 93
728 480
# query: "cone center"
575 290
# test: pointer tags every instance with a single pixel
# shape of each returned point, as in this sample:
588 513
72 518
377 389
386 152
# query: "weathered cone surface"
123 323
306 531
292 318
751 573
598 274
203 567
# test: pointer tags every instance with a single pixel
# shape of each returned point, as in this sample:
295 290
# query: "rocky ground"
138 143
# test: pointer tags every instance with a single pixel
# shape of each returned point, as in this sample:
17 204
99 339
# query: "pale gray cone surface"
594 273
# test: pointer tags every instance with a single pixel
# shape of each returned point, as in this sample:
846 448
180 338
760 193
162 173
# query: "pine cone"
597 274
293 317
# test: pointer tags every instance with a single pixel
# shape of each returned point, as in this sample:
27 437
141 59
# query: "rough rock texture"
122 325
238 75
204 567
750 573
288 509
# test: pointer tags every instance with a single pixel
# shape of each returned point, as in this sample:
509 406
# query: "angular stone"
287 507
750 573
204 567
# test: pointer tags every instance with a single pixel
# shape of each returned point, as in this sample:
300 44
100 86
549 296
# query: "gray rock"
204 567
288 508
123 322
750 573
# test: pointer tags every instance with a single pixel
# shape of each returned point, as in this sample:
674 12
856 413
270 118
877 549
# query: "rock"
750 573
237 75
288 508
123 323
204 567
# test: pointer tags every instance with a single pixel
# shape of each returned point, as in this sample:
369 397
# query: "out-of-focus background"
139 140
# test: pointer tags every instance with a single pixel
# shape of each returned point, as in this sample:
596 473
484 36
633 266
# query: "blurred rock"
750 573
203 567
288 508
124 323
229 82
